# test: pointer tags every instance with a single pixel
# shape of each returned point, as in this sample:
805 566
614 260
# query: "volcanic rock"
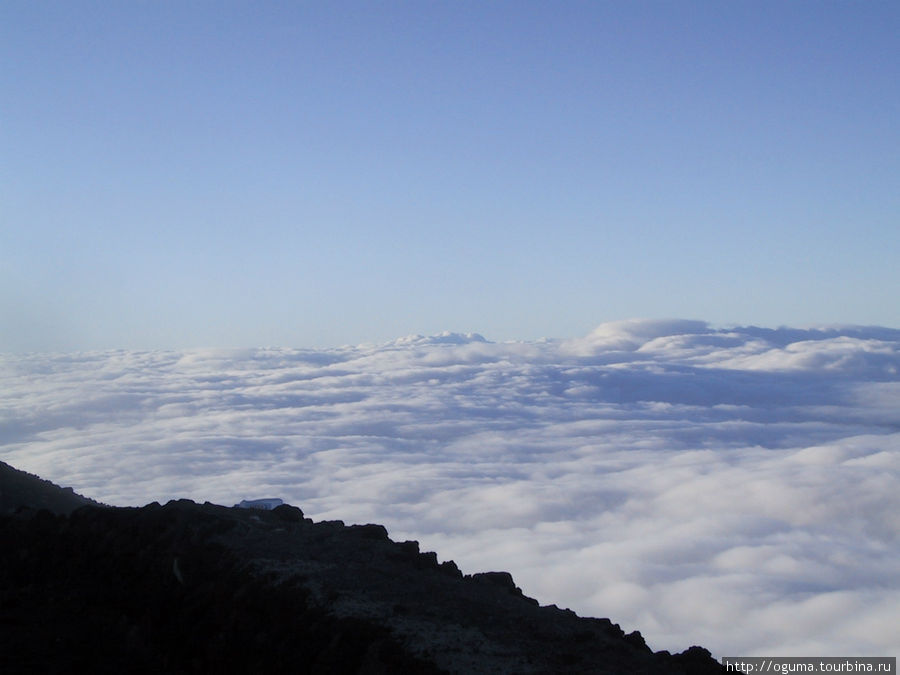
201 588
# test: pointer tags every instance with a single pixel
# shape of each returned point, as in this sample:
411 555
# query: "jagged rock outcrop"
187 587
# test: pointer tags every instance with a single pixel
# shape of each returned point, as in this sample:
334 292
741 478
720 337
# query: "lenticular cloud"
734 488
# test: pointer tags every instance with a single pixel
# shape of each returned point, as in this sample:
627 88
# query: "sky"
219 219
733 488
313 174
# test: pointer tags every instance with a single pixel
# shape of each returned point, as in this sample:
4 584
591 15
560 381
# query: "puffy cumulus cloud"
631 334
730 487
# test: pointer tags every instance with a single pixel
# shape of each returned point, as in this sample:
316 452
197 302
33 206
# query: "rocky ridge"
187 587
21 489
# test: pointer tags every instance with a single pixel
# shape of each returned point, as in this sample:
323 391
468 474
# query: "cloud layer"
734 488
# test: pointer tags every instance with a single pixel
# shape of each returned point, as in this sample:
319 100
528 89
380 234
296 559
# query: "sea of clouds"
735 488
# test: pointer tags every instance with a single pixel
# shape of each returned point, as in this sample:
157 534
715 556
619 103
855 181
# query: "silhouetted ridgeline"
205 588
18 488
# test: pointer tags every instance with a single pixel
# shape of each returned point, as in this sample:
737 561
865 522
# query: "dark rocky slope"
205 588
18 488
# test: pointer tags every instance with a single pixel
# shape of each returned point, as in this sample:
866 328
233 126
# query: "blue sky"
312 174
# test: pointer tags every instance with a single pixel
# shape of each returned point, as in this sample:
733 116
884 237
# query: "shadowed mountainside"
18 488
203 588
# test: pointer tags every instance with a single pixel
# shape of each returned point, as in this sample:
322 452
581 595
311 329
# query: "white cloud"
734 488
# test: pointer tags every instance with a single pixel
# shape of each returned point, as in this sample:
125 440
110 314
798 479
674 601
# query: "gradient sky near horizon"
184 174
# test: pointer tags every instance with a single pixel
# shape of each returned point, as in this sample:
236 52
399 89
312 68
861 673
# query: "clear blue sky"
179 174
